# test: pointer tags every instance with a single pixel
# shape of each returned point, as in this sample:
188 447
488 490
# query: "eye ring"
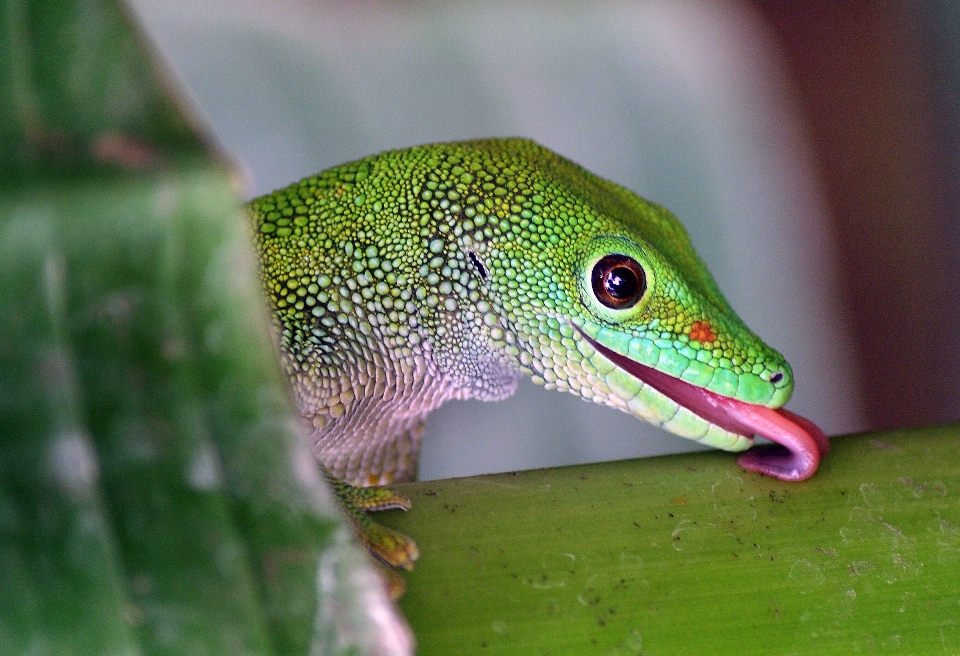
619 281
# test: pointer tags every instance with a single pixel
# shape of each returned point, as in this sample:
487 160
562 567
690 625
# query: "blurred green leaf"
78 94
156 493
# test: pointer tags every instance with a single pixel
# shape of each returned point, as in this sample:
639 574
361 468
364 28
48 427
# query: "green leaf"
688 554
77 92
157 495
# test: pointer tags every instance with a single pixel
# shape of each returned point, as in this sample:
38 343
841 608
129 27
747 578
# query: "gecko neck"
365 408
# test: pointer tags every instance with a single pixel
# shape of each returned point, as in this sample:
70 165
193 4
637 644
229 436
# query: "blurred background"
811 149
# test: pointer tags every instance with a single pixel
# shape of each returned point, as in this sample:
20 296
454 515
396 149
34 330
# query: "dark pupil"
621 283
618 281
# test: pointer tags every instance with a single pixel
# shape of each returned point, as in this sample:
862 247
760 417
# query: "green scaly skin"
446 271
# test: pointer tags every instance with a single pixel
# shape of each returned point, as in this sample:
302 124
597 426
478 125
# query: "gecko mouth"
801 442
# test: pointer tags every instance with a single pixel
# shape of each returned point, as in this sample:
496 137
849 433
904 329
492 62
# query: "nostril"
776 377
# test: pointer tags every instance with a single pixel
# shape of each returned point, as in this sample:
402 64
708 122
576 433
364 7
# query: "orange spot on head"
702 332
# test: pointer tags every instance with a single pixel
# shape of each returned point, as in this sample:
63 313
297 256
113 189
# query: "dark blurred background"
877 85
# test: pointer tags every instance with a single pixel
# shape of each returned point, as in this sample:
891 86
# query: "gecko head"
666 347
653 336
605 296
623 273
635 301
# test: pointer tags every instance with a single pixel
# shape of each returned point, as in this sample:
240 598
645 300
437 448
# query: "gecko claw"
389 547
392 581
375 499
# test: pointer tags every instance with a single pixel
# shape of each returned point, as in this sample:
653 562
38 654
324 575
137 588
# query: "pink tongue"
801 442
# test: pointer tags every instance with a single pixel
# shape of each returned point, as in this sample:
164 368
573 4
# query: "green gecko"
447 271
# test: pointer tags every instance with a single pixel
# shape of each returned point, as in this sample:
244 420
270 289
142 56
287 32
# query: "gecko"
448 271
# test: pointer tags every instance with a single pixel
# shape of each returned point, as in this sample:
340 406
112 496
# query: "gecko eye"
618 281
